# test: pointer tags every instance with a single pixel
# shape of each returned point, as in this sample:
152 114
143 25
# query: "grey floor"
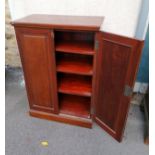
24 133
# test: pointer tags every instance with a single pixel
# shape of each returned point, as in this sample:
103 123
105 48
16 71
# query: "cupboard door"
36 48
117 60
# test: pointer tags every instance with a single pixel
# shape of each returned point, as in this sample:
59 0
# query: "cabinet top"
91 23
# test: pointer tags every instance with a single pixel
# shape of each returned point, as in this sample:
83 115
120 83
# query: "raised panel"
117 62
114 65
36 53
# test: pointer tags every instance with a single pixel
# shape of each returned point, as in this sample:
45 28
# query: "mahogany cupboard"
75 73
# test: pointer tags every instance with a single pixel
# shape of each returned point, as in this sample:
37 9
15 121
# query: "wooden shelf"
77 64
74 64
74 84
79 47
74 105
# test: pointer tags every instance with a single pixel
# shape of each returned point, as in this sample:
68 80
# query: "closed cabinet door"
36 48
117 63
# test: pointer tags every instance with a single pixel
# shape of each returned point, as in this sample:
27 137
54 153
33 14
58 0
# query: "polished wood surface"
77 47
86 23
118 58
36 49
75 105
83 122
73 63
74 84
83 36
74 72
75 42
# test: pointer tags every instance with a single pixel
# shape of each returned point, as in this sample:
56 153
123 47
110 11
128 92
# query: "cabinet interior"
74 84
74 42
74 63
74 105
74 53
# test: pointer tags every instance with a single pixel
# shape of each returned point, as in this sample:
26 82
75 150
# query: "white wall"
143 21
121 16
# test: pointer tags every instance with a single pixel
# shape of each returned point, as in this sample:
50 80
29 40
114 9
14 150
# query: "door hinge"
127 91
96 44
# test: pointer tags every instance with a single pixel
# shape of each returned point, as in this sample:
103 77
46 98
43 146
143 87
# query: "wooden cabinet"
75 73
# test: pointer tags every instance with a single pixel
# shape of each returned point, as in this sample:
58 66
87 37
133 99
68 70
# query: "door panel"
37 54
117 62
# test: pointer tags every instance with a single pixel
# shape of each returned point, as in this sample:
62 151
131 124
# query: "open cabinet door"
117 60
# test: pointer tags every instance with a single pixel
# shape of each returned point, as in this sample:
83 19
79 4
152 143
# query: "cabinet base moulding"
62 118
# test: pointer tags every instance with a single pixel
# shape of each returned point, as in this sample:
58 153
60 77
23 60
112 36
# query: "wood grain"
60 63
87 23
75 105
117 63
35 50
83 122
73 63
74 84
77 47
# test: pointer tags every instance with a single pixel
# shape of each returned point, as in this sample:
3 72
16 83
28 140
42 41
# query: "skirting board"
140 87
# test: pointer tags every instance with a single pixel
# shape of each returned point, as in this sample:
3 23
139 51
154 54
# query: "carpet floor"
24 134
